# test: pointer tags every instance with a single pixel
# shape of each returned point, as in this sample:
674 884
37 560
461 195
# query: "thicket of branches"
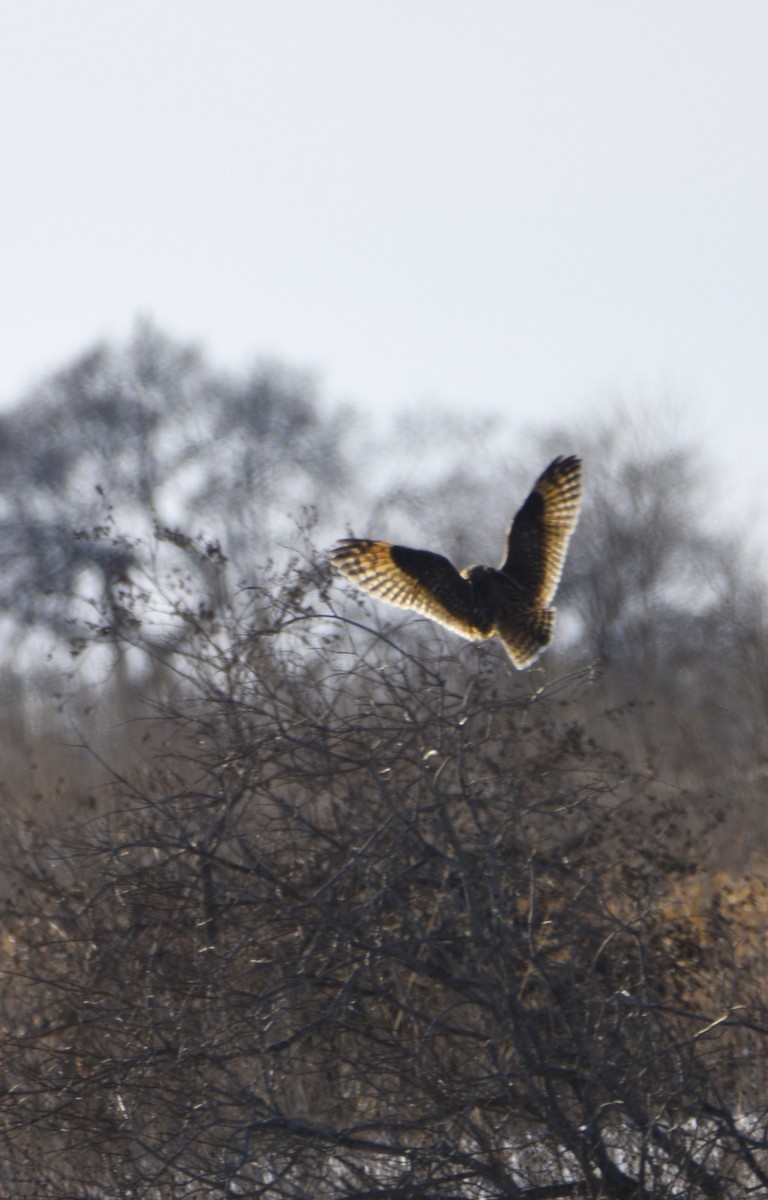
357 911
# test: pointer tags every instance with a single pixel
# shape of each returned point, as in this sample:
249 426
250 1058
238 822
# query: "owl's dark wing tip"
565 465
348 550
342 546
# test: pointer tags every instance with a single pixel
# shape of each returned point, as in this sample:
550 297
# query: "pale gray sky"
508 205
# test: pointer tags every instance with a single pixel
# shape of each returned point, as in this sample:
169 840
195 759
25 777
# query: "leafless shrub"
363 932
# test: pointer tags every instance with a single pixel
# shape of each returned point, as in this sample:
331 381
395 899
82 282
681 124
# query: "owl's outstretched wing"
537 540
425 582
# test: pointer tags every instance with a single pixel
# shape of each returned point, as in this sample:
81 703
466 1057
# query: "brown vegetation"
354 914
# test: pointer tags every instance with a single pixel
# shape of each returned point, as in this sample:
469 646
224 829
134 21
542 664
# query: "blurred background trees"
306 897
149 437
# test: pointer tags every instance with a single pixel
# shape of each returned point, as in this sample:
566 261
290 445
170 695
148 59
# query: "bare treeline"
363 913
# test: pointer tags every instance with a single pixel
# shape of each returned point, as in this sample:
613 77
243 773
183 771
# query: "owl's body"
512 601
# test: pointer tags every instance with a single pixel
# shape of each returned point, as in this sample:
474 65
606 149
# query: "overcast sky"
505 205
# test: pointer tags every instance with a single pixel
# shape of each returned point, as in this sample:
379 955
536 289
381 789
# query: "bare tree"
363 915
148 436
360 933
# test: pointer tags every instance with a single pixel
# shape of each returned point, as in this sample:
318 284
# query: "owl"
511 601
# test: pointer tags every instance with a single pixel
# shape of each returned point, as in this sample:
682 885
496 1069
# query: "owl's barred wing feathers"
426 583
511 601
538 537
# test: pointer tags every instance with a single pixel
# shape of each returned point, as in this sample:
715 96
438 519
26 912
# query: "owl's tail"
526 637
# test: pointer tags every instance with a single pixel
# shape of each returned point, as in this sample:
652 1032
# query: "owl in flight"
512 600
